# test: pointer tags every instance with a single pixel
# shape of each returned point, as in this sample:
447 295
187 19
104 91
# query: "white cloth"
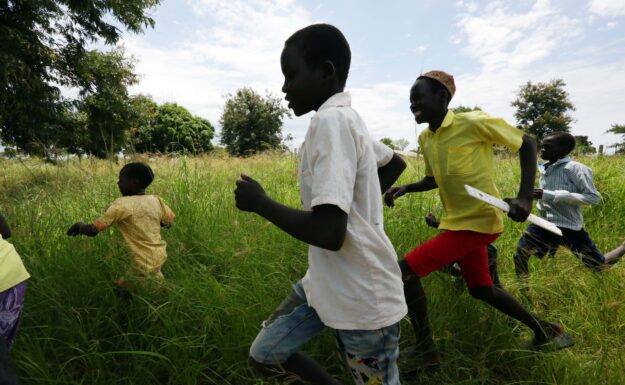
358 287
566 185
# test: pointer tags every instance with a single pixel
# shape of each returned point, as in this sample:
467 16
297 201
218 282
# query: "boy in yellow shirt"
457 150
139 218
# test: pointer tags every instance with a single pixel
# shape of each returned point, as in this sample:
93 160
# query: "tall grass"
228 270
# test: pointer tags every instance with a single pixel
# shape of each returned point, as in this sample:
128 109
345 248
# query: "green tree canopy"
463 108
251 123
388 142
107 108
618 129
543 108
583 145
42 47
170 128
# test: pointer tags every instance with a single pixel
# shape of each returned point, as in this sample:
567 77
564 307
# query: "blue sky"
201 50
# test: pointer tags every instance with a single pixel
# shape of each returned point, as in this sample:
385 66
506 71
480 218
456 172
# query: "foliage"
106 108
251 123
42 47
170 128
543 108
618 129
399 144
462 108
583 145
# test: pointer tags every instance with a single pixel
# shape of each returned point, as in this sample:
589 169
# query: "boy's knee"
481 292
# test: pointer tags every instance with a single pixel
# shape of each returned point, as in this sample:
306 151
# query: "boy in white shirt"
353 283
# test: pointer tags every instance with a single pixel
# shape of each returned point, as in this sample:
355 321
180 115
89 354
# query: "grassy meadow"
228 270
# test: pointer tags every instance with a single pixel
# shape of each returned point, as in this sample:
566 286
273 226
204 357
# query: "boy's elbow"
335 243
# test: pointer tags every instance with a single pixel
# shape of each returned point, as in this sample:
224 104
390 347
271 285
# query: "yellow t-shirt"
461 152
12 270
139 219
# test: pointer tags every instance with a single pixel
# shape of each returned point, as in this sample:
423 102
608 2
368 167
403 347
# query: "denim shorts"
541 242
371 355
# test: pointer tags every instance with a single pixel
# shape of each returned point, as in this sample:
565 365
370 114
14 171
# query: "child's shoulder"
573 165
472 116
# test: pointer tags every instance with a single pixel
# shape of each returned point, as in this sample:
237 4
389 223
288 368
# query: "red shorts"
468 248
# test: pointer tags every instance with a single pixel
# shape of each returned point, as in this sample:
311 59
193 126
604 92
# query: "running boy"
139 218
13 276
565 186
353 284
457 150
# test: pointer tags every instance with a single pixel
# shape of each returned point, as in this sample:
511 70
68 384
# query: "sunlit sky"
201 50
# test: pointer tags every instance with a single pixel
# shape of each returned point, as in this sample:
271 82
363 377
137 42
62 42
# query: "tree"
251 123
399 144
107 108
618 129
543 108
462 108
388 142
42 47
171 128
583 145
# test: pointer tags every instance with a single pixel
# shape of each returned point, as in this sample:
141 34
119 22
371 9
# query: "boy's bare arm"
323 227
425 184
5 230
82 228
521 206
390 172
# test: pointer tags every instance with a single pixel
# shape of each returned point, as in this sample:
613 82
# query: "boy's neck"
140 192
331 92
436 122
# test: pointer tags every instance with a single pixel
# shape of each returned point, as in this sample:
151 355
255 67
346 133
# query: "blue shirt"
567 185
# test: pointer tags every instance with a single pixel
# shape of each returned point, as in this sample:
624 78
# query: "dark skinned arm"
425 184
81 228
325 226
5 230
390 172
521 206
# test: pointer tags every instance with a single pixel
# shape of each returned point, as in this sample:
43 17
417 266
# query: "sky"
202 50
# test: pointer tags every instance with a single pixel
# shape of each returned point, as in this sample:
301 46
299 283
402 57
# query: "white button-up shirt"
566 185
358 286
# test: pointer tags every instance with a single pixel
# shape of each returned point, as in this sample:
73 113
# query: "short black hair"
436 86
321 42
140 171
564 139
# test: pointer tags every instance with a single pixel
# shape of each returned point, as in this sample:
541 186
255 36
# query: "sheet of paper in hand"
500 204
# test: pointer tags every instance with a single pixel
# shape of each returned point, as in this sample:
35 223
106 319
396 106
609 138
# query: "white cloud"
419 49
611 24
500 39
607 8
240 46
513 48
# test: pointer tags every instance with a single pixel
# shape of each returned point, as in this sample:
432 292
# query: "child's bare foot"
552 334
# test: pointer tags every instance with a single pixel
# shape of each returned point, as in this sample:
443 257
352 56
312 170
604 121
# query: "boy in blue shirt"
353 283
565 186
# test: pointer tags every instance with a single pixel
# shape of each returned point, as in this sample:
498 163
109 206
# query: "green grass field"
228 270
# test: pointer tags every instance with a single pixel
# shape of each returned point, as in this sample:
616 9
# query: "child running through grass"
565 186
139 218
353 283
457 150
13 280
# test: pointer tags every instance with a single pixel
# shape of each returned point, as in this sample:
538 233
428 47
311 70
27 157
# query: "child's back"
139 219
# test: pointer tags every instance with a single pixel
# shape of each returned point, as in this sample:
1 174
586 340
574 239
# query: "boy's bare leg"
417 311
504 302
613 256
